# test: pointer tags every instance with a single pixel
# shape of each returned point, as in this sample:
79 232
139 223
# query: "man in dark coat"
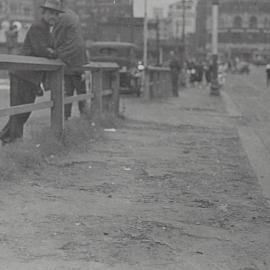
267 69
70 48
24 85
175 69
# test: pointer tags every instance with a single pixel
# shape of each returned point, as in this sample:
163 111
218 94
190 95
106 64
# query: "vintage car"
126 56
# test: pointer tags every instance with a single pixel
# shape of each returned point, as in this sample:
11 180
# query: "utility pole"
183 32
145 55
215 84
132 36
145 34
183 60
157 40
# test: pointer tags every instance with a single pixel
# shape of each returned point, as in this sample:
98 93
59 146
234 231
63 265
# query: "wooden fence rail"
158 82
102 85
55 69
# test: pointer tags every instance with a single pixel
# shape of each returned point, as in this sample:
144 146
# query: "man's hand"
83 77
52 53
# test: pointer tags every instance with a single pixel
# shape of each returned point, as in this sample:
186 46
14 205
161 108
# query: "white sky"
139 6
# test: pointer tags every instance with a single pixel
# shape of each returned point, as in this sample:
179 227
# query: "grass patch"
32 154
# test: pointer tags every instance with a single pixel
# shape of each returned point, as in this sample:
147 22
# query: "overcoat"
68 42
36 43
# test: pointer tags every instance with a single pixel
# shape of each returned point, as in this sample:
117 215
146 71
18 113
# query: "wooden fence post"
57 96
146 90
98 89
115 87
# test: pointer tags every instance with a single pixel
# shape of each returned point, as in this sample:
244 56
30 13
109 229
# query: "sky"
139 6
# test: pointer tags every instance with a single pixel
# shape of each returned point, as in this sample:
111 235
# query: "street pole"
157 41
183 79
215 84
145 48
184 32
145 34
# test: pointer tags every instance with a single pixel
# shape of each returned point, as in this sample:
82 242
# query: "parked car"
126 56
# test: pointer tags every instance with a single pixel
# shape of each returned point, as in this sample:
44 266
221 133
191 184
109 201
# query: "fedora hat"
53 4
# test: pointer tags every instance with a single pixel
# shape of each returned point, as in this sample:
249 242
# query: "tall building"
95 15
244 28
182 16
158 12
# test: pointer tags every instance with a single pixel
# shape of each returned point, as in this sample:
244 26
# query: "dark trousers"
74 83
21 92
267 77
174 80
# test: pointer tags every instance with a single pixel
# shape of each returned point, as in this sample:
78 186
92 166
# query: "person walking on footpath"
69 45
11 38
267 69
175 69
25 85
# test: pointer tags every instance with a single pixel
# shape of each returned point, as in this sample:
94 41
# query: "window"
237 22
14 8
27 11
253 22
1 7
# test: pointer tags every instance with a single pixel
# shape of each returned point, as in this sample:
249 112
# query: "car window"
108 51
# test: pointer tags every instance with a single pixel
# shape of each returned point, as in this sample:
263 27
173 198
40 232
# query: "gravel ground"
170 188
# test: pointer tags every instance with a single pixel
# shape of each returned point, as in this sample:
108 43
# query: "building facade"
244 28
96 15
22 12
182 17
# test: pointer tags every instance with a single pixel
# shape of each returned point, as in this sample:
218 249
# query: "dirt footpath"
170 188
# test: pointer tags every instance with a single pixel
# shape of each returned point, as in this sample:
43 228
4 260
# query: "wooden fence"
158 82
102 85
103 79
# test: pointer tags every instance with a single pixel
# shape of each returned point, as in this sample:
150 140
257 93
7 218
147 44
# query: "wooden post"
88 87
146 93
164 89
154 83
115 87
57 96
158 84
151 83
98 89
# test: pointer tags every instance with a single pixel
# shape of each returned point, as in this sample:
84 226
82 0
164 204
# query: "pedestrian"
208 73
192 73
175 70
11 38
267 69
69 45
25 85
199 73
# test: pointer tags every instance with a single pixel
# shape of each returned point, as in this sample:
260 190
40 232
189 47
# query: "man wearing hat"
25 85
70 48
